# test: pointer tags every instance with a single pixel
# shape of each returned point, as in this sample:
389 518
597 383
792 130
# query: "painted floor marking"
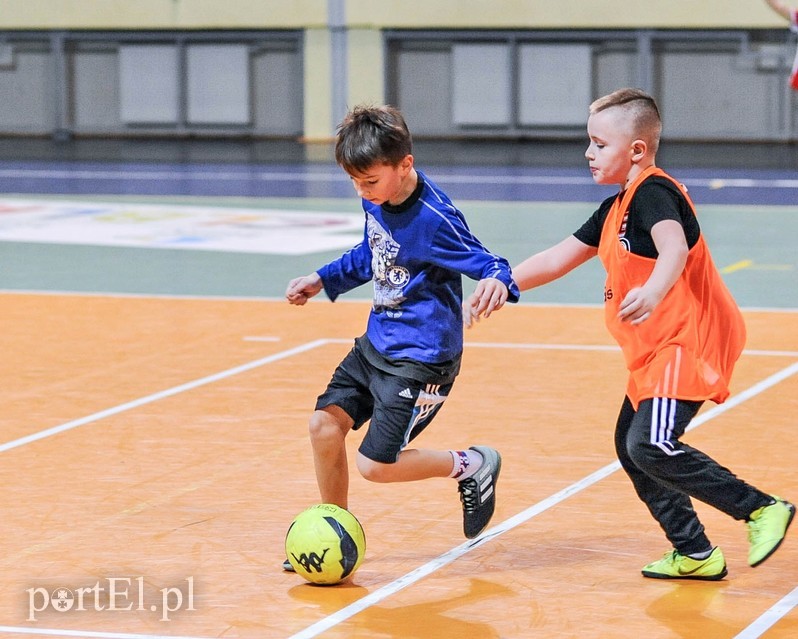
273 231
754 631
448 557
737 266
753 266
770 617
169 392
85 634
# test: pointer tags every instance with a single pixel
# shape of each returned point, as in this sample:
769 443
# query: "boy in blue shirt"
415 249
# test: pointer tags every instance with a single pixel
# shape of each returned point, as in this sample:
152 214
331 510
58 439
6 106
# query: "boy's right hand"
470 316
489 295
301 289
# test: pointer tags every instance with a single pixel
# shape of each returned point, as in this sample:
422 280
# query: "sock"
465 463
758 511
700 556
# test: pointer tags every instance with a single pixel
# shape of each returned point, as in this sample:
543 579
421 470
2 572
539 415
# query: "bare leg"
328 429
411 465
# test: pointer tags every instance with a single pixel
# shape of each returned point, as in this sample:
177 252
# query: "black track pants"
666 473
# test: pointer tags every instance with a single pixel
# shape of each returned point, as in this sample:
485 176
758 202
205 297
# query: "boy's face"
611 148
382 183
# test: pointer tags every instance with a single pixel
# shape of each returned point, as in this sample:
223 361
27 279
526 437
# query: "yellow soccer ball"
325 544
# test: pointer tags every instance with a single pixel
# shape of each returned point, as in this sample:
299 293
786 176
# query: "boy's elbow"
682 254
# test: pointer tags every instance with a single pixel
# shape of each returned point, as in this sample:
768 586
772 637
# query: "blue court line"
727 186
301 174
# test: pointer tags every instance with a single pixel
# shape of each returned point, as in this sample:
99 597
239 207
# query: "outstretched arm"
552 263
541 268
782 8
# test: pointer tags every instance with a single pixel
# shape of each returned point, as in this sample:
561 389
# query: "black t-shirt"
656 199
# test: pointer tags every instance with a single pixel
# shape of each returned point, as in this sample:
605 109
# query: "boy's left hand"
489 295
637 306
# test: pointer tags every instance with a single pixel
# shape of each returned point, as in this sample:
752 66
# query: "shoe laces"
469 494
755 525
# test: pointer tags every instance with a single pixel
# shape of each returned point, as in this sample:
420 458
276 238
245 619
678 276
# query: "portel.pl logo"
113 594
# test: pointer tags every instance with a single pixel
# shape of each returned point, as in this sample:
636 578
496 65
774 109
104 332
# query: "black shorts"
399 407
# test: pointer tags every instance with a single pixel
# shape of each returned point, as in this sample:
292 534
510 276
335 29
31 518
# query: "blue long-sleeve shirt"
415 255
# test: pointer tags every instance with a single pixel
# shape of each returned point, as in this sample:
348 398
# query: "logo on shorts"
406 394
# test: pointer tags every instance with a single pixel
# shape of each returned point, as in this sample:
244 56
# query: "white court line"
771 353
169 392
411 577
601 347
273 358
115 411
747 394
446 558
769 618
88 634
281 299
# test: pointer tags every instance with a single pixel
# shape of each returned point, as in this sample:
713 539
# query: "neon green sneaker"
674 565
766 529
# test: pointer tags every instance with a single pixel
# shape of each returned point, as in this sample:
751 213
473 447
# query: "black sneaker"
287 566
478 492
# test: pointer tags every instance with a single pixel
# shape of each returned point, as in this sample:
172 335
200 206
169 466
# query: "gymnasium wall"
506 68
410 14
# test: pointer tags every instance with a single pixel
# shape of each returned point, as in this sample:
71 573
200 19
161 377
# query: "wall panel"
149 89
95 92
481 85
217 84
26 92
555 84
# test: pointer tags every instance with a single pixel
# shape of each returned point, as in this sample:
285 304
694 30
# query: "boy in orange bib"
680 331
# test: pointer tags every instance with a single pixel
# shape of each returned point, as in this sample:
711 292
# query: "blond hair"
641 112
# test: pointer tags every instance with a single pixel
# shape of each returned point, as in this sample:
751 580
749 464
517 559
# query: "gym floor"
157 390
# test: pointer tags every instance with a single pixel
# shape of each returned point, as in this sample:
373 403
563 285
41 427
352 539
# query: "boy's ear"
407 162
639 150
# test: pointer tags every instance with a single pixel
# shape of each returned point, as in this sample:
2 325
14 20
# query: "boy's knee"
638 452
324 427
374 471
647 455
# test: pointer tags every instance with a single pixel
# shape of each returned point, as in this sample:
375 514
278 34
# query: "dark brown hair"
370 135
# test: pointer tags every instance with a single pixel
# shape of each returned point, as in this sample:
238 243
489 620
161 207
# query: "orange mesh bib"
687 348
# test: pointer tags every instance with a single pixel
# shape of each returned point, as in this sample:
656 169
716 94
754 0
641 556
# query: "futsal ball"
325 544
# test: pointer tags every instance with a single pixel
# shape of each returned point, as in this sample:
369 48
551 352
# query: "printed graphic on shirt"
389 279
622 234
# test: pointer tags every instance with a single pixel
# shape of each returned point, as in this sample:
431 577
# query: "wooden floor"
158 447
